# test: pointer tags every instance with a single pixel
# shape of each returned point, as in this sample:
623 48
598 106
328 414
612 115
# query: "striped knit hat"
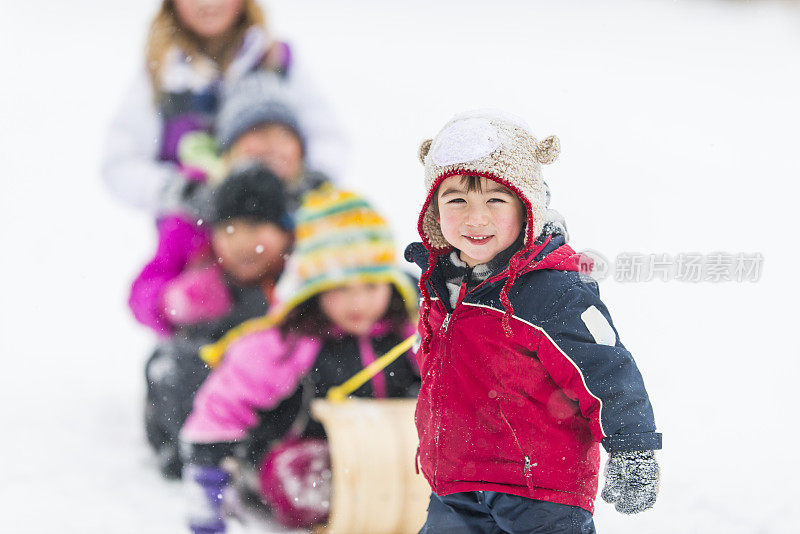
497 146
339 238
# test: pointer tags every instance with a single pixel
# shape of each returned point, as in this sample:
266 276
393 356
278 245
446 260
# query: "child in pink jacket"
251 233
257 122
341 303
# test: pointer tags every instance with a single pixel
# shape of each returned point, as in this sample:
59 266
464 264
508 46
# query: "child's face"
357 306
274 145
208 18
479 223
250 250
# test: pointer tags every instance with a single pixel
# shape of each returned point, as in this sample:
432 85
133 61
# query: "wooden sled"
373 446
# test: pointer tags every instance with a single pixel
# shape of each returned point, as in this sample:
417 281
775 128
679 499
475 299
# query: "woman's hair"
308 319
167 31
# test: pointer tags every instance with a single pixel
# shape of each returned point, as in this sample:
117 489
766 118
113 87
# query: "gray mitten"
631 481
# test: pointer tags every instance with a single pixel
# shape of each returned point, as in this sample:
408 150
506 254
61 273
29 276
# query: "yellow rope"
340 393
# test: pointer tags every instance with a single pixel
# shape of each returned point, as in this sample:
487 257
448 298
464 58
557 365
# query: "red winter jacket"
524 414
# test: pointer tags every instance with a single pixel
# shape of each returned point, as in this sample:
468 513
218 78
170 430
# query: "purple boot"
207 485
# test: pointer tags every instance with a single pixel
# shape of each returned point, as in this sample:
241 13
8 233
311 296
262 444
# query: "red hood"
560 258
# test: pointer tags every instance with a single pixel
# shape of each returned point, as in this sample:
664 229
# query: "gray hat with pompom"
258 98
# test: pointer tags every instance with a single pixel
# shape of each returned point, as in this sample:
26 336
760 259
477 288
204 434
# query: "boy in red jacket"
523 373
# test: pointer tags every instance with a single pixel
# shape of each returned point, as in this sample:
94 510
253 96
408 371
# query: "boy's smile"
479 221
478 240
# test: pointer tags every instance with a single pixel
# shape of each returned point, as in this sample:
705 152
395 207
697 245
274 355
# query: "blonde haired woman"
195 49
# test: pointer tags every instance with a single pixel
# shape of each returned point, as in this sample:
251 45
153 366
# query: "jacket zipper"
445 324
446 321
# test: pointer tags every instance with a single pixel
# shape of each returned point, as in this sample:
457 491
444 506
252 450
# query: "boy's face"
479 223
274 145
250 250
357 306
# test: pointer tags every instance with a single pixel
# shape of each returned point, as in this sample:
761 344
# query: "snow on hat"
339 239
499 147
251 192
258 98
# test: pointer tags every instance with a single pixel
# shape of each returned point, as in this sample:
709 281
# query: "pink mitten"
196 296
295 481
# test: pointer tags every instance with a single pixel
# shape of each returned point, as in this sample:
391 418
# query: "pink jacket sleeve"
256 373
179 241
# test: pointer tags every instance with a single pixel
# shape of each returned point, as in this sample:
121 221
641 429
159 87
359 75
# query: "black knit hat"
252 192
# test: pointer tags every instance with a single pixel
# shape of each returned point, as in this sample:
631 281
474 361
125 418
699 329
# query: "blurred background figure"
341 303
257 123
258 120
196 48
228 283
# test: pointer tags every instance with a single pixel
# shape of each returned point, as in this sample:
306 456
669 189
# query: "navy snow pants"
490 512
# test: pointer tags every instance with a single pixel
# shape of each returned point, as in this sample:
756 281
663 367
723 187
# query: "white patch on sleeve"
598 326
464 141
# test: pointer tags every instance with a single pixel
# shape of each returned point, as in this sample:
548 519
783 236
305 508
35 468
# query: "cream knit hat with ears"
494 145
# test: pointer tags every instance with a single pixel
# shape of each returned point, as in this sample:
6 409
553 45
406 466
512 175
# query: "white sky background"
679 129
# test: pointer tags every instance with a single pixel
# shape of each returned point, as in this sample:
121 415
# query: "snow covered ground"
679 126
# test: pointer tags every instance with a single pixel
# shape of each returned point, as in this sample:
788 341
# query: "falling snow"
677 125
